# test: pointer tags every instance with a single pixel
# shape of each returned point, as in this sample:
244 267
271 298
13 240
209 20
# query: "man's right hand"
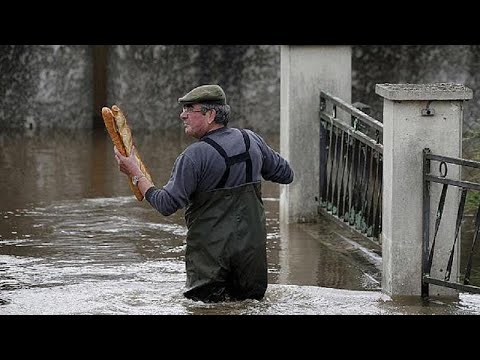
128 164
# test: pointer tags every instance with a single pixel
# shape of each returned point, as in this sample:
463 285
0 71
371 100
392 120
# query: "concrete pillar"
407 131
304 71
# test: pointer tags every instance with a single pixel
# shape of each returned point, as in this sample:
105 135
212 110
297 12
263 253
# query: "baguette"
121 135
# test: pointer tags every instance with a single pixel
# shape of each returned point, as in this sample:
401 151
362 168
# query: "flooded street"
74 240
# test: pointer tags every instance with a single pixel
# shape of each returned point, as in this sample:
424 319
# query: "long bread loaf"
121 135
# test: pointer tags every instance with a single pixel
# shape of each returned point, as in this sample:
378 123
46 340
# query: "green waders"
226 245
226 240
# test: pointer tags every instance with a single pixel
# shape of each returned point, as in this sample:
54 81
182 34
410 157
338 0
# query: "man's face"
196 123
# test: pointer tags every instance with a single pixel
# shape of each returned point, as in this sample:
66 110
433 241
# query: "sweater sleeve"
275 168
176 193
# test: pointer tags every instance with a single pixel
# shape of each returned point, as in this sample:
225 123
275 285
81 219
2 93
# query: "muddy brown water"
74 240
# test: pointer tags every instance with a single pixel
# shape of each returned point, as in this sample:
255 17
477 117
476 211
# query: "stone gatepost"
417 116
304 71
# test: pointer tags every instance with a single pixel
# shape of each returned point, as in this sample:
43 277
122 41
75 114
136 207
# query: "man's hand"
127 164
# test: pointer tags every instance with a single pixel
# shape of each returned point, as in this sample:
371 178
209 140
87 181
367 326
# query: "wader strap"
229 161
248 163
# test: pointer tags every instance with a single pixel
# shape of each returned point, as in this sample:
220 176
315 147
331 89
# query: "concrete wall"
46 86
50 85
416 64
146 81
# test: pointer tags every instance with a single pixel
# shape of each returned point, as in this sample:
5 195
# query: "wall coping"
435 91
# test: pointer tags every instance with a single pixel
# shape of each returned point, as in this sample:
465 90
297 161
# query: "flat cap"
208 94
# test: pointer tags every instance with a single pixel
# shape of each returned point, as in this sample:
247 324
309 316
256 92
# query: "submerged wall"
416 64
146 81
46 86
52 85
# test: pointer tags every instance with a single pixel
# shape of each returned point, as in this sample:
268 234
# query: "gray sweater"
200 167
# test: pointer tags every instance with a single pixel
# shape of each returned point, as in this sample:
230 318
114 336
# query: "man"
218 180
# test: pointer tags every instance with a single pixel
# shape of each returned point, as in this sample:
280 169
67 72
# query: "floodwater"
74 240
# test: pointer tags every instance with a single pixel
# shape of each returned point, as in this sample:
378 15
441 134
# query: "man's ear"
211 116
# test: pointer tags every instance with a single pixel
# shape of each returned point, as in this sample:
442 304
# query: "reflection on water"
74 240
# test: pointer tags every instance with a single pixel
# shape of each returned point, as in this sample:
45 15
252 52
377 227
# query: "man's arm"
275 168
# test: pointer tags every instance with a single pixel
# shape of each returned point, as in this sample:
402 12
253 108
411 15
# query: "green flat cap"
209 94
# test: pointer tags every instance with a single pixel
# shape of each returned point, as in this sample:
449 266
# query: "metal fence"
350 184
429 250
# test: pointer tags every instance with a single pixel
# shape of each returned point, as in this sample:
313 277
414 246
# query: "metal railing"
350 186
428 251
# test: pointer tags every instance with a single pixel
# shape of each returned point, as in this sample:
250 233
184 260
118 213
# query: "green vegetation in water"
472 201
471 150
